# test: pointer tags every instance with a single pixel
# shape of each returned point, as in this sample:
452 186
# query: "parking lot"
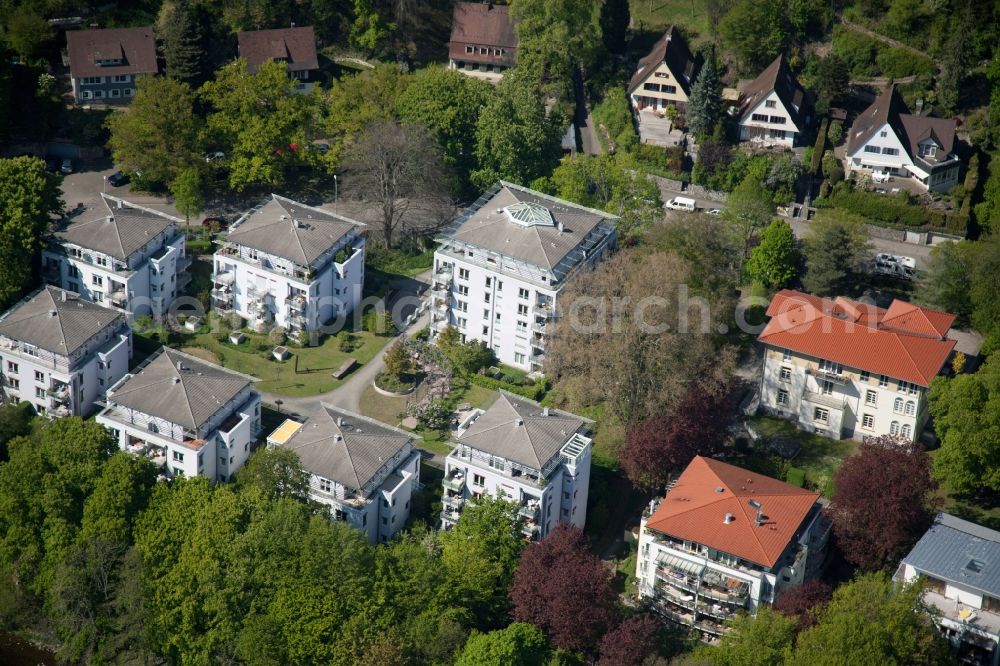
87 182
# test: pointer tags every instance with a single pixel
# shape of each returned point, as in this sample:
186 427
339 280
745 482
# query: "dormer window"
110 62
927 149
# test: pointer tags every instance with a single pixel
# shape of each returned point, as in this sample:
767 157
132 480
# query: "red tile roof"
482 25
296 46
905 342
708 490
136 47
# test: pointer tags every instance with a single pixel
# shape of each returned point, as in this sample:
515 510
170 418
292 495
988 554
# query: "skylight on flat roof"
529 214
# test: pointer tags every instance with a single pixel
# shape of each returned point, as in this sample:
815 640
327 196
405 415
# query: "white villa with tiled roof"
191 417
61 353
535 456
364 471
842 368
123 256
500 267
290 265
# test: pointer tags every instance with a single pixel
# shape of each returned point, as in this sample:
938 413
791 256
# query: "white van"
681 203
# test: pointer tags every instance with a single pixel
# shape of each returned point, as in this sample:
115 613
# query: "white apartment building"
290 265
524 453
123 256
845 369
959 562
61 353
887 141
725 540
363 471
189 416
501 266
774 108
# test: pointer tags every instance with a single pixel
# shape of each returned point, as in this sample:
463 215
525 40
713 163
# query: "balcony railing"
456 483
529 511
531 530
118 297
453 502
297 303
224 294
539 327
831 400
829 376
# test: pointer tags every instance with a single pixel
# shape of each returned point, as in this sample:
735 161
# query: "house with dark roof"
775 110
483 41
663 78
290 265
104 64
724 541
843 368
364 471
189 416
535 456
61 352
887 141
295 47
120 254
502 263
959 564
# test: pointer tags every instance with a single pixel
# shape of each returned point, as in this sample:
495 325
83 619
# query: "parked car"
895 265
714 211
215 156
681 203
117 179
52 164
321 146
67 166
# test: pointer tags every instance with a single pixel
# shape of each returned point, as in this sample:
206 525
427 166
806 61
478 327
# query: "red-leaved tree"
564 589
882 501
667 443
630 642
804 601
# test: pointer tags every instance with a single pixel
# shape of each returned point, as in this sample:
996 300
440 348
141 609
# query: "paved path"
590 144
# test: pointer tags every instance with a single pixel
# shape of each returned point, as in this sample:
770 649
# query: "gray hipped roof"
291 230
345 447
179 388
517 429
57 320
548 241
960 552
120 230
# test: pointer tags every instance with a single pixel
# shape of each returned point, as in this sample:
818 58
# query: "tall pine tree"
704 108
181 44
615 18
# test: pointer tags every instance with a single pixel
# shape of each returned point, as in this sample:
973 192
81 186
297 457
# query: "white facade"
145 282
769 123
836 401
701 587
884 154
216 450
555 494
60 385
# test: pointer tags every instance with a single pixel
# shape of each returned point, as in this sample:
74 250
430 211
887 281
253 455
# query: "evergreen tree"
181 38
615 18
705 106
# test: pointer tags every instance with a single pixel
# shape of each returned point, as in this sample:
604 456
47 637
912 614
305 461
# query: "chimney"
338 437
545 411
559 226
180 366
729 518
293 24
121 204
110 219
63 298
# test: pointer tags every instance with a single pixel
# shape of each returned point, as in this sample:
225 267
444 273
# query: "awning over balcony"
680 564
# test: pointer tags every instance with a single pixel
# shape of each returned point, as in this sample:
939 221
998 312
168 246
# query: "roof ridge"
347 452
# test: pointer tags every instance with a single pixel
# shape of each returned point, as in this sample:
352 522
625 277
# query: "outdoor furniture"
344 369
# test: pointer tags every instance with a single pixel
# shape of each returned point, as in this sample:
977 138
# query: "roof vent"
560 227
63 299
53 313
298 224
729 518
518 423
975 566
340 420
176 380
338 437
754 504
545 411
180 366
110 218
720 489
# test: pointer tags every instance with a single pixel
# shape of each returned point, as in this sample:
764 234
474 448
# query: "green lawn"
658 15
307 372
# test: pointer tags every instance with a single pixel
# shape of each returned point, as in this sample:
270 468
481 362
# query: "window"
177 455
831 367
486 330
478 479
462 306
894 428
91 80
98 94
785 374
120 78
487 297
463 273
470 49
85 94
498 316
499 285
873 149
897 405
522 292
865 376
522 326
325 485
486 313
770 104
907 431
871 398
868 422
890 151
115 92
14 383
39 376
39 392
97 280
12 367
129 92
927 150
827 387
522 309
910 408
783 397
463 290
820 415
883 134
670 90
759 117
461 322
777 120
498 52
883 381
489 281
786 355
519 358
653 87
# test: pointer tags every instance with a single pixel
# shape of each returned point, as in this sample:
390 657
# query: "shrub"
390 382
379 323
818 149
434 416
896 63
277 335
535 392
263 345
835 133
857 50
615 114
348 342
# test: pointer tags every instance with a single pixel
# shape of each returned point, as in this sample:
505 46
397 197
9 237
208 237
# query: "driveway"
86 185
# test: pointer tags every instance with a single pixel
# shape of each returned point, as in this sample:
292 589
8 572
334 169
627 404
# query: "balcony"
444 269
539 326
183 280
828 376
455 482
62 411
297 303
59 392
454 502
530 510
51 272
531 530
831 400
118 297
441 286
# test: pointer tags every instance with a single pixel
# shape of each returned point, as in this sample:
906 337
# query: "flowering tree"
882 501
564 589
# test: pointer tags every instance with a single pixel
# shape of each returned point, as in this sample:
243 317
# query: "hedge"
817 156
534 392
895 211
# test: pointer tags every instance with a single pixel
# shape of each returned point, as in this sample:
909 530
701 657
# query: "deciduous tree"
775 260
764 640
836 249
748 209
871 534
872 620
832 79
159 134
394 166
554 35
187 191
27 32
354 102
577 604
275 472
947 283
631 642
756 31
518 644
804 602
